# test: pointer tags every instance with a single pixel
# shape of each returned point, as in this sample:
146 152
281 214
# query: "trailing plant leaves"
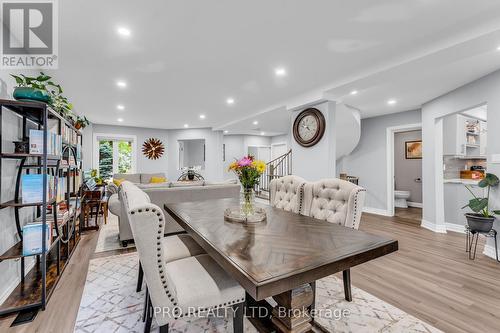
478 204
489 180
496 212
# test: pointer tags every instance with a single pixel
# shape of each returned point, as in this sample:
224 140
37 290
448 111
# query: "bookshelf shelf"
62 163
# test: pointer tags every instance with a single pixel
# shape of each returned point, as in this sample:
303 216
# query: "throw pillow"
118 181
155 180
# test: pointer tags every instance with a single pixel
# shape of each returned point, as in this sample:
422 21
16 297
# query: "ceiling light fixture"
391 102
354 92
255 122
280 71
498 48
226 131
186 125
120 107
262 133
121 84
125 32
120 120
202 116
230 101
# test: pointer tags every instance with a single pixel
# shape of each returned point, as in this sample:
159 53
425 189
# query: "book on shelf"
32 237
54 143
32 188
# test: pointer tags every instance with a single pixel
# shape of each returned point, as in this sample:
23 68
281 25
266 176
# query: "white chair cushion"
330 199
200 283
285 193
180 247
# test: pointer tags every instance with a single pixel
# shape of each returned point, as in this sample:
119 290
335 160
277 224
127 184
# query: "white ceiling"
185 58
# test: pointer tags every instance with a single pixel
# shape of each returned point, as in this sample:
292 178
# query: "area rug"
111 304
108 236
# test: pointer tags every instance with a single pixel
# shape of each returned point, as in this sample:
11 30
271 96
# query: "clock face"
309 127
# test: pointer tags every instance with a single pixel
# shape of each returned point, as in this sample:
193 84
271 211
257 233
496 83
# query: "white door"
264 154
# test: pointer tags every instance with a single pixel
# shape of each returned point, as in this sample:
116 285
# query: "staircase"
277 168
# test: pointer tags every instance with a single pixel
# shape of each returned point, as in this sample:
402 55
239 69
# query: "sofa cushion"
187 184
145 178
224 182
131 177
154 185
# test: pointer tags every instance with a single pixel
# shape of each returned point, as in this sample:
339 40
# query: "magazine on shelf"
32 188
32 237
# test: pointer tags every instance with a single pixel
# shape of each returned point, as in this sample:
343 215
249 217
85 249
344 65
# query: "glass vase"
247 202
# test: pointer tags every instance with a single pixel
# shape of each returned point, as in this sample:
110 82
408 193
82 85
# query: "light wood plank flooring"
429 277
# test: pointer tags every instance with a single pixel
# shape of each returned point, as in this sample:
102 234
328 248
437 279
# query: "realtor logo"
29 34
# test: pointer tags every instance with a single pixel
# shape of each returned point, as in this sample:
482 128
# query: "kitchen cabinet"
464 137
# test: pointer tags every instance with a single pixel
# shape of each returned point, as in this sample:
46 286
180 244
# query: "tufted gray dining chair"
336 201
180 288
286 193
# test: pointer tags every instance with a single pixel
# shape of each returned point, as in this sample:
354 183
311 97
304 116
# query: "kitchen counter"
462 181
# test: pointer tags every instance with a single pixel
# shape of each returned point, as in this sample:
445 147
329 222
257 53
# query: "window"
114 154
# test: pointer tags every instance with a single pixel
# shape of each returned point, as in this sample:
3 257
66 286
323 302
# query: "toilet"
400 198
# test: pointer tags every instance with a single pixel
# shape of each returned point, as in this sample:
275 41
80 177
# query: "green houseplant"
81 122
32 88
482 219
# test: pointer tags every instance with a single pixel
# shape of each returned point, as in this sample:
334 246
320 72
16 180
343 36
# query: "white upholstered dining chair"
286 193
180 288
336 201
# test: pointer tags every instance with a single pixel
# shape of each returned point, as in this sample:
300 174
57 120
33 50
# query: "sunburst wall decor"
153 148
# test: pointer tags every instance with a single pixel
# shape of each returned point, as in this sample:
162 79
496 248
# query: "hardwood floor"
412 213
429 277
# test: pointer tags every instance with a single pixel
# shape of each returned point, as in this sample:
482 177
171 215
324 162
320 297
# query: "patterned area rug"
108 236
111 304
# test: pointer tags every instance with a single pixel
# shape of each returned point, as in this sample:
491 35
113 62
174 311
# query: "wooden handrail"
279 167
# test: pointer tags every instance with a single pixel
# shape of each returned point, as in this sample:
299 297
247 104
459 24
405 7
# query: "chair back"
148 223
286 193
334 200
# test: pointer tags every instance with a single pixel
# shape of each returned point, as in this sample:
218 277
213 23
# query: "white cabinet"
464 136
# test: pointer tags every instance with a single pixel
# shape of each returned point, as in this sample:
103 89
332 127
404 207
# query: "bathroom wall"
407 170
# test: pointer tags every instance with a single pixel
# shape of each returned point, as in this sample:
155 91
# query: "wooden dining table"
281 257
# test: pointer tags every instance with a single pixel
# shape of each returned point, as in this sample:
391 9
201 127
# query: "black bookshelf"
37 285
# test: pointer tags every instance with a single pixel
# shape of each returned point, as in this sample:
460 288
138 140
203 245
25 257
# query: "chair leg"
313 304
146 305
164 328
149 317
140 276
347 284
238 317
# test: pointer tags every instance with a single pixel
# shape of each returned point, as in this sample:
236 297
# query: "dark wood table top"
279 254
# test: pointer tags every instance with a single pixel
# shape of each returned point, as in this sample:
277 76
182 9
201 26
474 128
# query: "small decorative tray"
234 214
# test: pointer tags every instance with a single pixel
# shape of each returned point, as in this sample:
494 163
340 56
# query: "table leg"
291 315
346 276
105 212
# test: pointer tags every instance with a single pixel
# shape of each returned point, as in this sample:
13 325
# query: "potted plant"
32 88
81 122
482 219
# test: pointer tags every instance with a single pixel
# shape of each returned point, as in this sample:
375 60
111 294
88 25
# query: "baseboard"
455 227
376 211
10 288
433 227
489 251
414 204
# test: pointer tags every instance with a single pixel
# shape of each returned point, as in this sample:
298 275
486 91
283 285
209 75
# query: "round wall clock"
309 127
153 148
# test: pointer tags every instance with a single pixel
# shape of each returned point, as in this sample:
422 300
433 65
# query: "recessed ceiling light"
120 107
354 92
498 48
122 31
120 120
226 131
202 116
280 71
255 122
262 133
230 101
186 125
391 102
121 84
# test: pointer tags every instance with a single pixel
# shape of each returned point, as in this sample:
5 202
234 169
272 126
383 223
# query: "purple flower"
245 161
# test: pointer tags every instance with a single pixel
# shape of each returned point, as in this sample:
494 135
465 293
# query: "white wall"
213 150
407 170
484 90
317 162
144 164
368 161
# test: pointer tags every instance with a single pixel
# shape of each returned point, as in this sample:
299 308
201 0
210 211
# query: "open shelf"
25 155
16 251
12 203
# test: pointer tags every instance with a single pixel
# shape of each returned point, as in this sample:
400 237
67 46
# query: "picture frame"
413 150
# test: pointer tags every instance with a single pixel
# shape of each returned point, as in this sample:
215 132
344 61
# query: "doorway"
262 153
114 154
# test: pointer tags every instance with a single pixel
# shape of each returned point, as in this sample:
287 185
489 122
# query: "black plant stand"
471 240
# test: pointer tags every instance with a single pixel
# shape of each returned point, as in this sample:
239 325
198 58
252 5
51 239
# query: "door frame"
284 143
390 132
113 137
